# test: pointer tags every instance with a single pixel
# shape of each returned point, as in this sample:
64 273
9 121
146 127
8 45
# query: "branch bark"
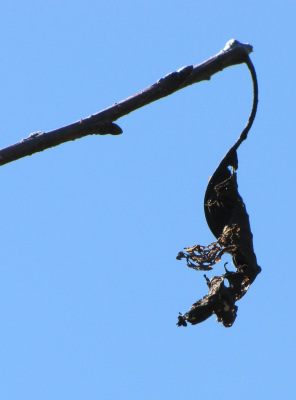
102 123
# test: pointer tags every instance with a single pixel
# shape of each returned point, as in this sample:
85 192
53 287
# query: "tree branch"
101 123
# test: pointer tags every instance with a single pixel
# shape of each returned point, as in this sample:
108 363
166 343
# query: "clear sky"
90 287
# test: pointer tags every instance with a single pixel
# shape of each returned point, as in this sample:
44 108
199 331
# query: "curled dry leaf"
228 220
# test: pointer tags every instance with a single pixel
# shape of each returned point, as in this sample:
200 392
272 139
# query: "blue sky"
90 288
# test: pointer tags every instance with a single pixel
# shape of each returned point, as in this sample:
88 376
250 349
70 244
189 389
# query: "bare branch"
101 123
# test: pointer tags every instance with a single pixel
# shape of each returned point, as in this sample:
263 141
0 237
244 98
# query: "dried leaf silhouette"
228 220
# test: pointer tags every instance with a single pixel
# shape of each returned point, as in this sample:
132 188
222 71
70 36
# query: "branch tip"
233 43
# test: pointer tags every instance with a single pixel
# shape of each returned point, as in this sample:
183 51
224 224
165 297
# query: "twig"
101 123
